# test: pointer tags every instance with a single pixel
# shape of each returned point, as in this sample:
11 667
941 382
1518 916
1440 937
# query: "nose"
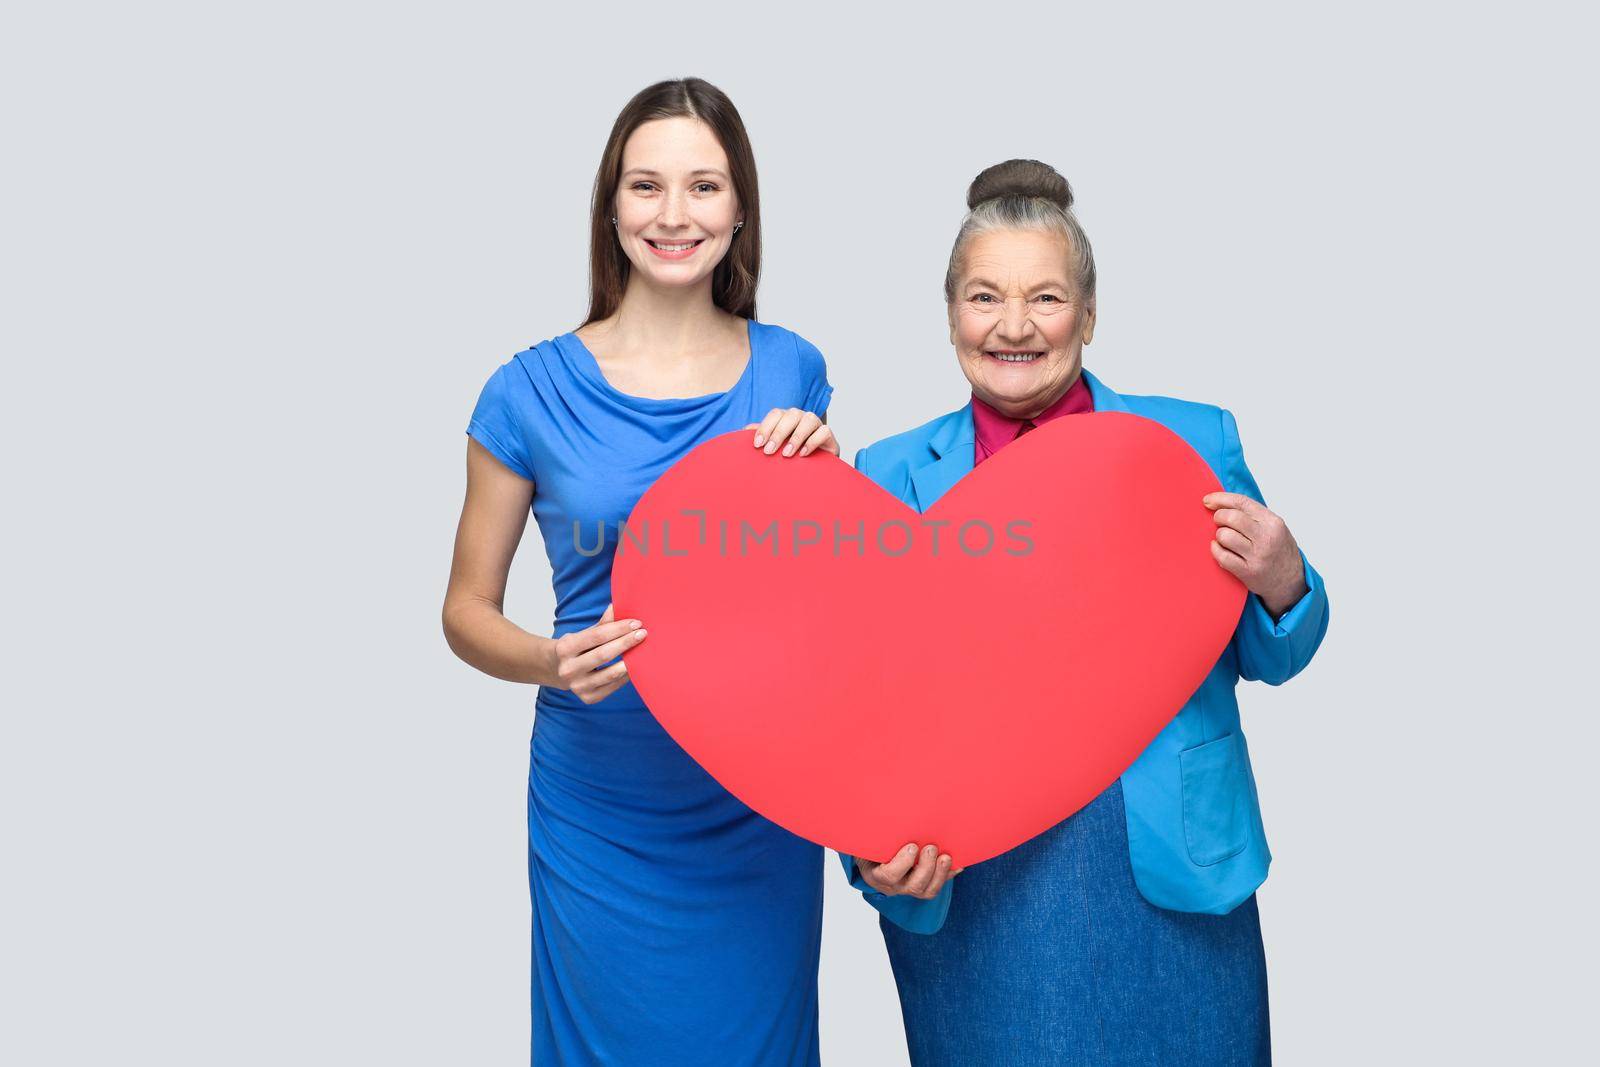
1013 326
674 211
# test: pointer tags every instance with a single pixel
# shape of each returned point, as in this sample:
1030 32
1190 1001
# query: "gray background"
258 262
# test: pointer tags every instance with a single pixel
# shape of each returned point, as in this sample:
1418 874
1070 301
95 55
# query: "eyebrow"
985 283
647 172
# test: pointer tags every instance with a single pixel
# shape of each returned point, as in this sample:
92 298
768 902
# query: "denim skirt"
1050 956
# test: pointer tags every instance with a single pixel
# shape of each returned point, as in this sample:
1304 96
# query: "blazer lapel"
1105 398
952 445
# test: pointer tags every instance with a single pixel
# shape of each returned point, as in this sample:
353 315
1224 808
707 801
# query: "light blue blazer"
1194 824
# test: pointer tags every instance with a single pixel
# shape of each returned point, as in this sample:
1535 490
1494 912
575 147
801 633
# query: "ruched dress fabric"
671 924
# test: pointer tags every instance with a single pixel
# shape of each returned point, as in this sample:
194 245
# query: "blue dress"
671 924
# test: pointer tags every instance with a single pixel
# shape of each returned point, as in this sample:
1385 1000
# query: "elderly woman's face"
1017 323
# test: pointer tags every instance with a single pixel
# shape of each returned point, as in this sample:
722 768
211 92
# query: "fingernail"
638 635
759 440
944 861
930 850
789 450
909 849
633 623
771 448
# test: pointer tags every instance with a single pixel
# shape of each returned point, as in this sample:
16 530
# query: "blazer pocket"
1216 822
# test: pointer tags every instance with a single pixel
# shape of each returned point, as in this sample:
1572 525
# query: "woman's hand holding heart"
1255 546
911 872
804 431
578 658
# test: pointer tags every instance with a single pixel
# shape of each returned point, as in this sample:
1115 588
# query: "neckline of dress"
591 367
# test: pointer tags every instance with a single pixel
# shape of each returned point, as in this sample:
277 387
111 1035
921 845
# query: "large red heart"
864 696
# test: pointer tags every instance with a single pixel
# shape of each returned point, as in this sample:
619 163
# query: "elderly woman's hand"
803 430
910 873
1255 546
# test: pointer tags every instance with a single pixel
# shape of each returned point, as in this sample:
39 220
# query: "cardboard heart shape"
864 675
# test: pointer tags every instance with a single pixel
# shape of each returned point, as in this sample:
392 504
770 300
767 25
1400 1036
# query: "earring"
613 220
737 225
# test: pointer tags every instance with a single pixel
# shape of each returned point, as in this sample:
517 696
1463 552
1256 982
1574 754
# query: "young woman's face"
675 204
1017 322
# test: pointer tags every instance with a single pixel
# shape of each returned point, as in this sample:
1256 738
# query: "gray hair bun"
1020 177
1022 194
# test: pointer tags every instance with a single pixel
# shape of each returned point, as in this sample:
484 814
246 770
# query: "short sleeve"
813 377
496 422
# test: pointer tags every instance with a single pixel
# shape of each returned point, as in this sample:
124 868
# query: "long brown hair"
733 282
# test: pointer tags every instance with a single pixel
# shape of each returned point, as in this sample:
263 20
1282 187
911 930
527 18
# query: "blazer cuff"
1281 648
907 912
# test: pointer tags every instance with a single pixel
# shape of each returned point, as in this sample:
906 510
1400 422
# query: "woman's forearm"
482 636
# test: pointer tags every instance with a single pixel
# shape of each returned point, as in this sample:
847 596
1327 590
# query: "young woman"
670 923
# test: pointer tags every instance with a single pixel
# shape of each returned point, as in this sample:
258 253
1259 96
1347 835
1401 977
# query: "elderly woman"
1127 933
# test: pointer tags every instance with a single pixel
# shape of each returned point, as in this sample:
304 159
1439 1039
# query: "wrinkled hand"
910 873
802 430
578 657
1255 546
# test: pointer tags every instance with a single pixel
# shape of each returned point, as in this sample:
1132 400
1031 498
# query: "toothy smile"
1014 357
672 249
